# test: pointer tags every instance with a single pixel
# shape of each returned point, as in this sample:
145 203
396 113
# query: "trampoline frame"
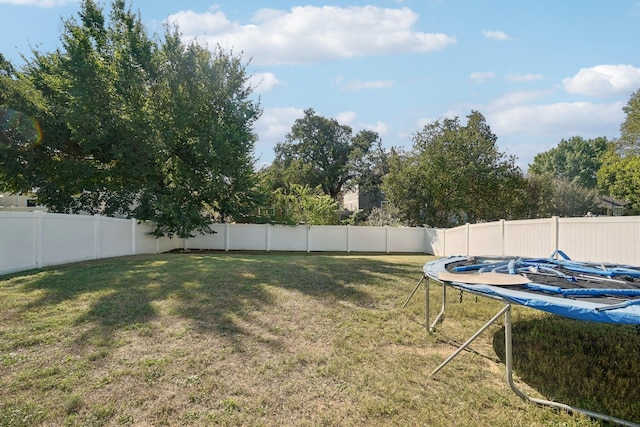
506 311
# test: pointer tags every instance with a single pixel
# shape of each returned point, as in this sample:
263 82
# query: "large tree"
620 171
574 160
319 151
454 174
20 133
133 127
629 142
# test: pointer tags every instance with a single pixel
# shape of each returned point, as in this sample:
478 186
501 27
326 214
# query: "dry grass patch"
256 339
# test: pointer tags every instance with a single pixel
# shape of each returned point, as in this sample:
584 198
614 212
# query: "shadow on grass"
212 290
587 365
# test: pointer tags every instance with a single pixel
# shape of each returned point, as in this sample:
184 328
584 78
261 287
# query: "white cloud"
346 118
380 127
558 120
516 98
272 127
524 77
309 34
603 81
356 85
496 35
263 82
202 23
481 77
39 3
349 118
275 123
524 129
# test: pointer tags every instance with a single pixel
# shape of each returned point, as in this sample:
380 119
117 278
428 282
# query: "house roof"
610 202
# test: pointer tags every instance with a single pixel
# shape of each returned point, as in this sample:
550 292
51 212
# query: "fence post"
268 233
226 236
133 236
386 238
39 239
503 237
556 232
348 239
468 237
308 227
96 235
444 240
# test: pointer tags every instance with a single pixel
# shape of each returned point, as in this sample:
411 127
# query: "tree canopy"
620 171
629 141
575 160
160 131
454 174
319 151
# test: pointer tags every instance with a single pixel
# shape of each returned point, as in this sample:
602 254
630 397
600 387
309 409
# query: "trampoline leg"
413 292
508 349
426 303
440 315
470 340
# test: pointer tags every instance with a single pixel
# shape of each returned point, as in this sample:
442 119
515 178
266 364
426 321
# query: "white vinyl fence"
38 239
597 239
314 238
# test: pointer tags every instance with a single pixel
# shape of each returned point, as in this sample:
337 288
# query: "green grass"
287 339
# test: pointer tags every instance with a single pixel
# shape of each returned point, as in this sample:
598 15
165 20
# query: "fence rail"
39 239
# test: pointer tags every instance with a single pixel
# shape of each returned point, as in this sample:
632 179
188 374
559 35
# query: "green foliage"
454 174
619 175
386 215
575 160
135 128
20 132
306 205
550 196
321 152
629 141
572 199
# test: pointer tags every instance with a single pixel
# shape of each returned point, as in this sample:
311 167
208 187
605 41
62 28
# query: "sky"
538 71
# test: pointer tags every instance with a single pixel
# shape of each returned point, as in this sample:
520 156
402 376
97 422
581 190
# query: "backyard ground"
262 339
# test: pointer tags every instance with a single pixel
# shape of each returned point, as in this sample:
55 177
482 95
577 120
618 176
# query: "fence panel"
486 239
328 238
288 238
456 241
216 241
115 238
606 239
18 241
361 239
434 241
406 239
530 238
247 237
67 238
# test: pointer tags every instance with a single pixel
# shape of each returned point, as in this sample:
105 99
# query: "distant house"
611 207
353 200
18 202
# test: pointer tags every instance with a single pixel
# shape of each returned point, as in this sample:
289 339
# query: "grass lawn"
287 339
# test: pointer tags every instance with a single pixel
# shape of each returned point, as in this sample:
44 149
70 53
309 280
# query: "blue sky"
539 71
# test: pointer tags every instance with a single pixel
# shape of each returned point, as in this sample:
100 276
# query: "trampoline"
587 291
